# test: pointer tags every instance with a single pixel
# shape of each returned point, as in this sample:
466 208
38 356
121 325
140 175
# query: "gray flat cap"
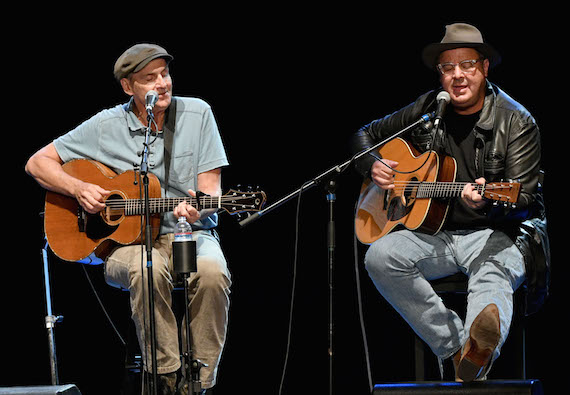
137 57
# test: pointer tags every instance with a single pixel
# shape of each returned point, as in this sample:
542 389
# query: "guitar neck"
163 205
442 189
505 191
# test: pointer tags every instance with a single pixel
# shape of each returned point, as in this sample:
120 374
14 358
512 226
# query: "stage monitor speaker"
518 387
66 389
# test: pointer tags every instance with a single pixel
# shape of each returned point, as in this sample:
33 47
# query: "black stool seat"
456 283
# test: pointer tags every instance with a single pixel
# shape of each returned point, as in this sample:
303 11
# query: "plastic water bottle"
184 248
183 231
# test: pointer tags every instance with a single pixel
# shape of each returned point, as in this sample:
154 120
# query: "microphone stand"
331 246
148 245
184 262
331 186
50 319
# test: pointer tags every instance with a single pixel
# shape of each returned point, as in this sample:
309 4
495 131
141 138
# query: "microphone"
442 99
150 99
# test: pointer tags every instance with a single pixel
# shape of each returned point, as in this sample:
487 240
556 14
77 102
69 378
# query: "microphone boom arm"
333 171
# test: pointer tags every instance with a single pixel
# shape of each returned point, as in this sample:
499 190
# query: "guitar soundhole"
114 212
101 225
97 228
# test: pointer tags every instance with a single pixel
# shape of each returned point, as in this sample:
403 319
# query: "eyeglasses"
466 66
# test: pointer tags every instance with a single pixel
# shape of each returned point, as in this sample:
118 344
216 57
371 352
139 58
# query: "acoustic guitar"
73 234
420 198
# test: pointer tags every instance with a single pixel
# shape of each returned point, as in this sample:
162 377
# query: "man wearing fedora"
115 137
491 137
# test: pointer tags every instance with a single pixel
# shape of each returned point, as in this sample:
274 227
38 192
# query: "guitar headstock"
503 191
237 201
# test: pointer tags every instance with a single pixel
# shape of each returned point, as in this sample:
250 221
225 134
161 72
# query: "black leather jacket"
507 148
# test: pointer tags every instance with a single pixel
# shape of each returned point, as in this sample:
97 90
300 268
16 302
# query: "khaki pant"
209 305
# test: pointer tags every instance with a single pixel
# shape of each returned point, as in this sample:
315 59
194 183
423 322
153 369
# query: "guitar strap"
168 135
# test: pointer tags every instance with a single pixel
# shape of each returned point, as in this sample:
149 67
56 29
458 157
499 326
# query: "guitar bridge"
81 219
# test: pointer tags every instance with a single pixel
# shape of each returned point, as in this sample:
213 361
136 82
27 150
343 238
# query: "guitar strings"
192 199
429 189
120 203
413 184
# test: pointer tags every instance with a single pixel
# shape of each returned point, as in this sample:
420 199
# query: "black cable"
293 286
123 342
360 312
358 287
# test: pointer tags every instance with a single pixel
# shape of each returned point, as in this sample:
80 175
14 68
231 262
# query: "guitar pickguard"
401 204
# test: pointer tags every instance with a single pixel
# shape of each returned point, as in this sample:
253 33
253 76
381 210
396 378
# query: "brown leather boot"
484 337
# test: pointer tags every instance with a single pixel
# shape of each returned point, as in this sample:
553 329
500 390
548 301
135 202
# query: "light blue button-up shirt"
115 138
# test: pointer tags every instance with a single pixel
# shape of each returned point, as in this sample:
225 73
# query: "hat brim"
430 54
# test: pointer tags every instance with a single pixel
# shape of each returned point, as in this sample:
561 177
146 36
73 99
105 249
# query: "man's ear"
126 85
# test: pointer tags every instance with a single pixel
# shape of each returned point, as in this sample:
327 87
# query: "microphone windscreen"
151 98
443 95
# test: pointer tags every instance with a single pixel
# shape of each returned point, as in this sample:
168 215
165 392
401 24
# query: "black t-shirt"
460 144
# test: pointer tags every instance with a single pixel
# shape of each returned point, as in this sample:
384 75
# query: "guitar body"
73 234
379 211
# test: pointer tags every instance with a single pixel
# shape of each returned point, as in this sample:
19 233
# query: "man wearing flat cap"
115 138
492 138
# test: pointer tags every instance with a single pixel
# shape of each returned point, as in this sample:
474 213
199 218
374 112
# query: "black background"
287 86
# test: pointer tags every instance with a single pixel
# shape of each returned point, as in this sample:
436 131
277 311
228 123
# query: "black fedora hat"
460 35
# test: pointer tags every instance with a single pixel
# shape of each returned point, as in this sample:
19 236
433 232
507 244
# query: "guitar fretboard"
163 205
440 189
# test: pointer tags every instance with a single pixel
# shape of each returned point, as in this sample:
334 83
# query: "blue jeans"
401 263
